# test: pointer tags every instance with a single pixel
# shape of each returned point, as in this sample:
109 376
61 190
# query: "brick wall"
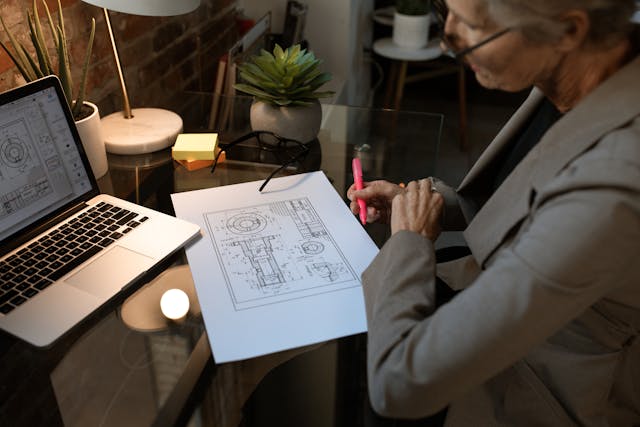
161 56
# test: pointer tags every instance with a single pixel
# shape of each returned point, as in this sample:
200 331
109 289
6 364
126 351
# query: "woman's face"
510 62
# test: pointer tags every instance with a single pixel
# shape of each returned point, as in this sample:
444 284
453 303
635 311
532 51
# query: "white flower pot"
90 131
301 123
411 31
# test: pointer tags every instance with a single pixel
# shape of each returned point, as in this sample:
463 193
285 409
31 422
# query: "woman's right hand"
378 195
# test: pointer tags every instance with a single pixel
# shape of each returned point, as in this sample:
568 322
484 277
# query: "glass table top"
113 369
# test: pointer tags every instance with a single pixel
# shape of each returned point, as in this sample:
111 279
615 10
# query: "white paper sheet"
276 270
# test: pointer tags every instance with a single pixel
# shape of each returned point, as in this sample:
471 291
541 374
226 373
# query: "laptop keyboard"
33 268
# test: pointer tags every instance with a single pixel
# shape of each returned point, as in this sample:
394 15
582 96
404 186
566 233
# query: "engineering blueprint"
276 269
264 262
21 172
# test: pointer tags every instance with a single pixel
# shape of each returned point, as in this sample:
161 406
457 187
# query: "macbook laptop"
65 249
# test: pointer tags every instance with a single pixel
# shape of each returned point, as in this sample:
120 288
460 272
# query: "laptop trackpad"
106 275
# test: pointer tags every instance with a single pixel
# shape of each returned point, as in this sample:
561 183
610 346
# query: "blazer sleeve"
421 358
452 218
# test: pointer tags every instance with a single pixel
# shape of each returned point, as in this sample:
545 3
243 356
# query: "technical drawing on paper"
22 174
276 252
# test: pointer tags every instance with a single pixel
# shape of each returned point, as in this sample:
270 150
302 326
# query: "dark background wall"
161 56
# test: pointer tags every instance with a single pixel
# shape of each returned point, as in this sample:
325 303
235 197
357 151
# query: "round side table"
401 57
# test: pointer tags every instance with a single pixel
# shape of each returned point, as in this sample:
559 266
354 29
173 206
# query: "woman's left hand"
417 209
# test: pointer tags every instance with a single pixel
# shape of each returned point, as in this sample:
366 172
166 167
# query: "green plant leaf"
320 80
61 23
259 74
268 66
253 81
63 66
54 34
33 67
293 53
278 53
15 60
77 105
29 74
41 45
283 77
42 67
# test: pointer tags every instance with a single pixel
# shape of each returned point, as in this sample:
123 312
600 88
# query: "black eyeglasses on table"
287 151
440 11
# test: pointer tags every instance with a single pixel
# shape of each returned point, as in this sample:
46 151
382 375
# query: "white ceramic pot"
90 131
411 31
301 123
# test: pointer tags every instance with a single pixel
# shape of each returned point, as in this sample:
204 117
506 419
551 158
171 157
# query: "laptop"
65 249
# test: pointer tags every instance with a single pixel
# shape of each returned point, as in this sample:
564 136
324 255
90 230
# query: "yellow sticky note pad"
195 146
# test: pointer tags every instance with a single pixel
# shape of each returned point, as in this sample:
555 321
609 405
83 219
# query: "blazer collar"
612 104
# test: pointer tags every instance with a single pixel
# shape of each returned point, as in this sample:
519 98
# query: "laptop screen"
41 166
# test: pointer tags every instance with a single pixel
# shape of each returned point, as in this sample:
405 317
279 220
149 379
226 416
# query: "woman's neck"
581 72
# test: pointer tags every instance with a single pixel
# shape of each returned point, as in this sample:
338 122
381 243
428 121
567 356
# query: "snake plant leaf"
61 21
42 45
77 104
43 67
54 33
15 60
29 73
63 67
31 63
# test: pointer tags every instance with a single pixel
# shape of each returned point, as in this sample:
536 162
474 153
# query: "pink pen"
357 179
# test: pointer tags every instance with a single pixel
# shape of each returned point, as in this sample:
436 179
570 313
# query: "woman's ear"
577 25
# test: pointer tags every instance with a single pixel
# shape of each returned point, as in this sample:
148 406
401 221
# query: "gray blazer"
546 330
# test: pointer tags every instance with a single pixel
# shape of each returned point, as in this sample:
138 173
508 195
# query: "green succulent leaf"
283 77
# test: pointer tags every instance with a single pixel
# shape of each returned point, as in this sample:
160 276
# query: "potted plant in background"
285 87
411 23
40 64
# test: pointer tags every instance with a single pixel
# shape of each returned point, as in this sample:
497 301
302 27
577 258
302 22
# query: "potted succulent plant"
411 23
41 63
285 86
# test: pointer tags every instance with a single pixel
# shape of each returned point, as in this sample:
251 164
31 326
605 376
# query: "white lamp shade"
148 7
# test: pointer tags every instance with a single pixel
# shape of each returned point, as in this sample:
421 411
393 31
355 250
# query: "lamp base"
149 130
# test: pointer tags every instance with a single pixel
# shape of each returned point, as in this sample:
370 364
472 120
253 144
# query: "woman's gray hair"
538 19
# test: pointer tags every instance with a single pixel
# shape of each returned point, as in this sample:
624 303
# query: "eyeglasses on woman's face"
440 11
287 151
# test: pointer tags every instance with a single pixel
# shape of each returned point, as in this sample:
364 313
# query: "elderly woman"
546 329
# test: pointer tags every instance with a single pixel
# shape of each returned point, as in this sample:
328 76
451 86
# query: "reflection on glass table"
120 367
398 146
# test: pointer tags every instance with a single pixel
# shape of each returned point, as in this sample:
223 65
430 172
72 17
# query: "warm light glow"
174 304
148 7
